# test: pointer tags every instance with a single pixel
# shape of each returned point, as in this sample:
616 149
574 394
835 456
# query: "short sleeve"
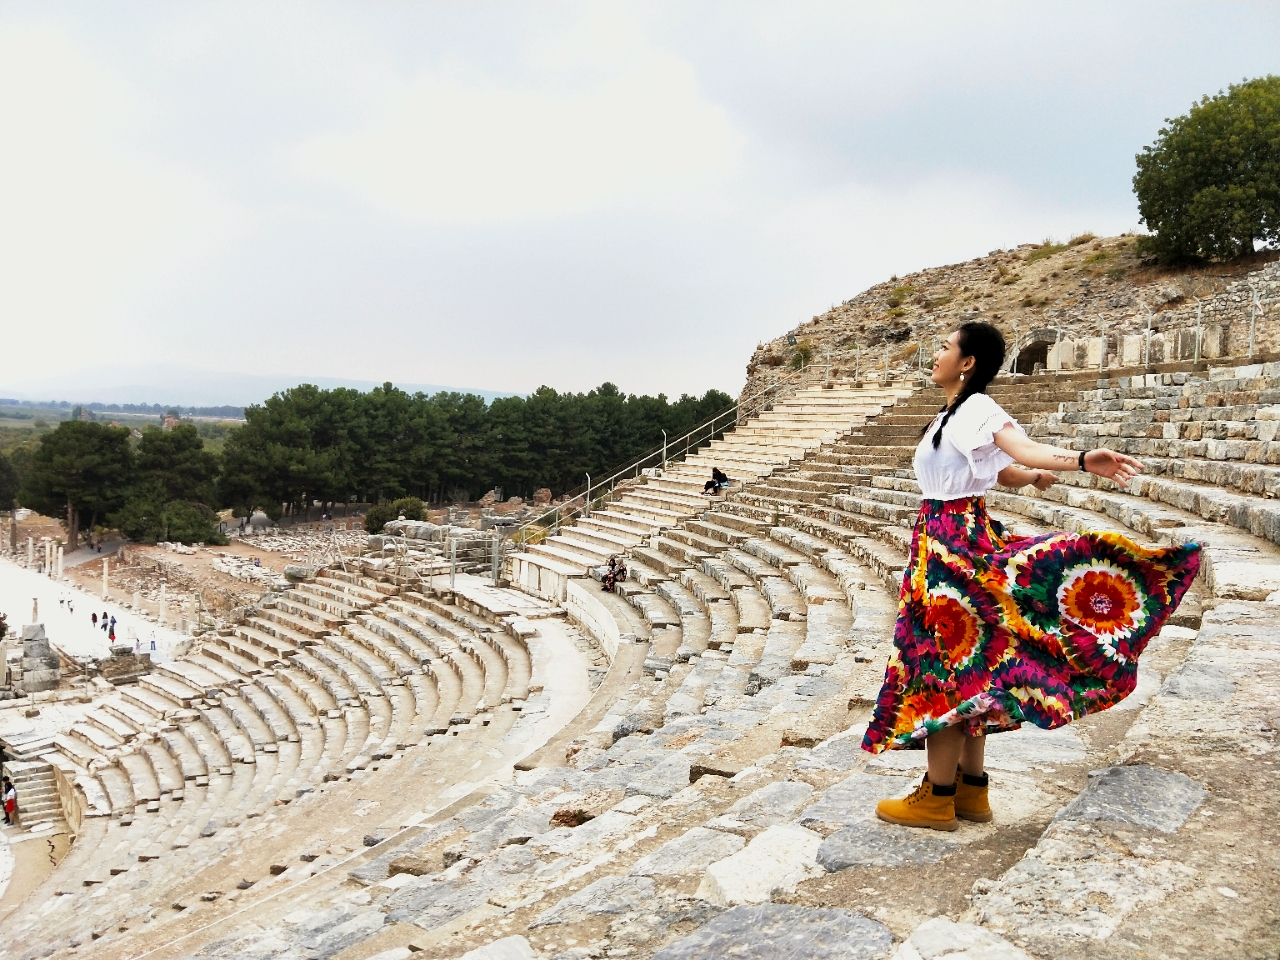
972 432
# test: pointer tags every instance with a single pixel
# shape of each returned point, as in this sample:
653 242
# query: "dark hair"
985 344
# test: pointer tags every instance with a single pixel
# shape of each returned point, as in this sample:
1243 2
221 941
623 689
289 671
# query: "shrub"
411 508
1046 249
802 355
377 517
1209 187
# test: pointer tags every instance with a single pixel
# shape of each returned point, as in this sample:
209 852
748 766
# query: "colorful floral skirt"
994 630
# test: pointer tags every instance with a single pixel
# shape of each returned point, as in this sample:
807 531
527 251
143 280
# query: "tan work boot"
971 798
927 806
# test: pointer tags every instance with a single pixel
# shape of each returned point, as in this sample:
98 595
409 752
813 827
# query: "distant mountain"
189 386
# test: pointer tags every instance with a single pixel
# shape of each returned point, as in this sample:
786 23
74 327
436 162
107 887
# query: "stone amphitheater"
375 766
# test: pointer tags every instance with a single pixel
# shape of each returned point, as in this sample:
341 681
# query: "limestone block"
764 807
688 854
1140 794
1212 342
877 844
775 931
1131 351
1158 348
606 897
1243 580
1094 350
508 948
771 865
943 939
853 800
1053 359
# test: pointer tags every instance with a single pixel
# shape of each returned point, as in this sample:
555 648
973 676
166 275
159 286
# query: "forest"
339 445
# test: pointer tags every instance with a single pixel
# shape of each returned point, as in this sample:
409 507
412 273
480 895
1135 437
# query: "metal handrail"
559 514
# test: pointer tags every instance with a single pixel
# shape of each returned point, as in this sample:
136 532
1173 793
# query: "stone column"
137 601
105 563
163 603
60 555
31 552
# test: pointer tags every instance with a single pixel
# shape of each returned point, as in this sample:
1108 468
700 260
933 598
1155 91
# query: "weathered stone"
771 865
608 895
508 948
688 854
713 768
852 800
1200 681
1075 883
762 808
665 780
780 932
1140 794
943 939
413 865
838 753
880 845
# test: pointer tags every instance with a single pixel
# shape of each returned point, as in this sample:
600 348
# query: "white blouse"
967 460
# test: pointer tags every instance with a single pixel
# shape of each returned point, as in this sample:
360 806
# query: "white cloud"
91 229
602 120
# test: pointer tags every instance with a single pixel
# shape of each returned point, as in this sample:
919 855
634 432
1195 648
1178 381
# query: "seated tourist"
717 482
616 573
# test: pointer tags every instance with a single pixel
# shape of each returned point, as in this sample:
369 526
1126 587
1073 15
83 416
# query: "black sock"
975 781
939 790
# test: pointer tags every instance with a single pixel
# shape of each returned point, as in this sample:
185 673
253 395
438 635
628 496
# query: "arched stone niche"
1033 349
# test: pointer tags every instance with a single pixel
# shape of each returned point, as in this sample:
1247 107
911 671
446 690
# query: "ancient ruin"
449 741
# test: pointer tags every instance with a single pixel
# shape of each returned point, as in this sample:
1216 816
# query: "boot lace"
921 792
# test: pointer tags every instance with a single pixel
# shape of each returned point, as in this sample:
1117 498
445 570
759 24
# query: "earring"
962 378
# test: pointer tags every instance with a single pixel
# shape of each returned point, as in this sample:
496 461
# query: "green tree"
147 517
1209 187
82 467
8 483
177 460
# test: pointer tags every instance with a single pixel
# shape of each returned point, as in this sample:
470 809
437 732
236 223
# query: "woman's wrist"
1083 468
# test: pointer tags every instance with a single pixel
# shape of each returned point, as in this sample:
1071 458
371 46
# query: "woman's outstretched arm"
1015 476
1042 456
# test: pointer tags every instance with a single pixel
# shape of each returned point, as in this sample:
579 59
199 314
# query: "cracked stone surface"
1142 795
778 932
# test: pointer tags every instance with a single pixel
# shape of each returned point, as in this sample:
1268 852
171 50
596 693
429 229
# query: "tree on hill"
178 461
173 489
310 444
82 467
1209 187
8 483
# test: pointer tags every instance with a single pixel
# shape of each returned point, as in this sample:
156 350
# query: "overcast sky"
502 195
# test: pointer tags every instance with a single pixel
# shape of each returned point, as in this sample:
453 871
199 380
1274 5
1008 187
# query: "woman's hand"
1044 480
1112 465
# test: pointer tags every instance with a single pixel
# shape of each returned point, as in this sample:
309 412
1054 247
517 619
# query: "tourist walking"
10 802
995 630
94 618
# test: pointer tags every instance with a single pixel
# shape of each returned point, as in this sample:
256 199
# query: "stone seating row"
717 836
198 743
753 449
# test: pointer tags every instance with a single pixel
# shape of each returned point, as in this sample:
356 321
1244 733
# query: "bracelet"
1082 466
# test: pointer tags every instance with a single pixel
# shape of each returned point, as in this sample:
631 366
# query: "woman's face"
949 363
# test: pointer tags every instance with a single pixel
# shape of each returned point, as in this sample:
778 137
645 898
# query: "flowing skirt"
994 630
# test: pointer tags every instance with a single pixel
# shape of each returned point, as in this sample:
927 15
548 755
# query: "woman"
10 800
719 480
994 630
